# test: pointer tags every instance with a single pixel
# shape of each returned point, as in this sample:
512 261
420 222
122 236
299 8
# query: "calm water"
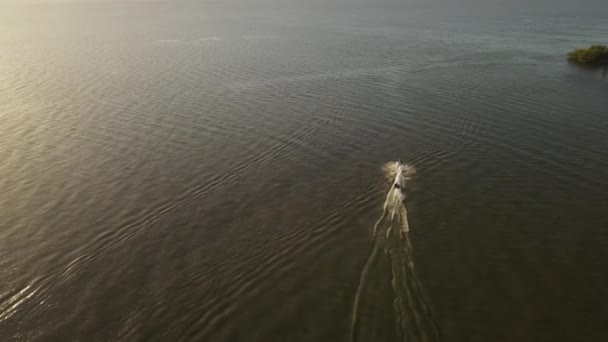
178 171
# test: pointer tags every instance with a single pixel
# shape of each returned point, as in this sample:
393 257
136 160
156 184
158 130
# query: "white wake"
413 316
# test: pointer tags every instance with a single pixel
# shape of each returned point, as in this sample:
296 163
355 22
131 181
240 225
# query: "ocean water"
212 171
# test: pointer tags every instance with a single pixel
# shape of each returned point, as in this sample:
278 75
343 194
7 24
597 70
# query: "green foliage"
595 55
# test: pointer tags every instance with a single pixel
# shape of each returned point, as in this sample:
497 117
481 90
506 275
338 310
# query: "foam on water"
413 315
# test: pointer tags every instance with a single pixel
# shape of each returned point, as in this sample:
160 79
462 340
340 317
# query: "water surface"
212 172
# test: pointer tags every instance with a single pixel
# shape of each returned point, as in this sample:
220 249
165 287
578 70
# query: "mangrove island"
594 56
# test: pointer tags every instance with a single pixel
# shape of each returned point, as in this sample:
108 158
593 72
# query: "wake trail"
414 319
363 277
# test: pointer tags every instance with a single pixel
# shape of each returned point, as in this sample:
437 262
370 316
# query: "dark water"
212 172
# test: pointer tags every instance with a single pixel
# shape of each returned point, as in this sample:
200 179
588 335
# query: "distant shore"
596 55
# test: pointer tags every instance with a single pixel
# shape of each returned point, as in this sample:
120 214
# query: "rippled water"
177 171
